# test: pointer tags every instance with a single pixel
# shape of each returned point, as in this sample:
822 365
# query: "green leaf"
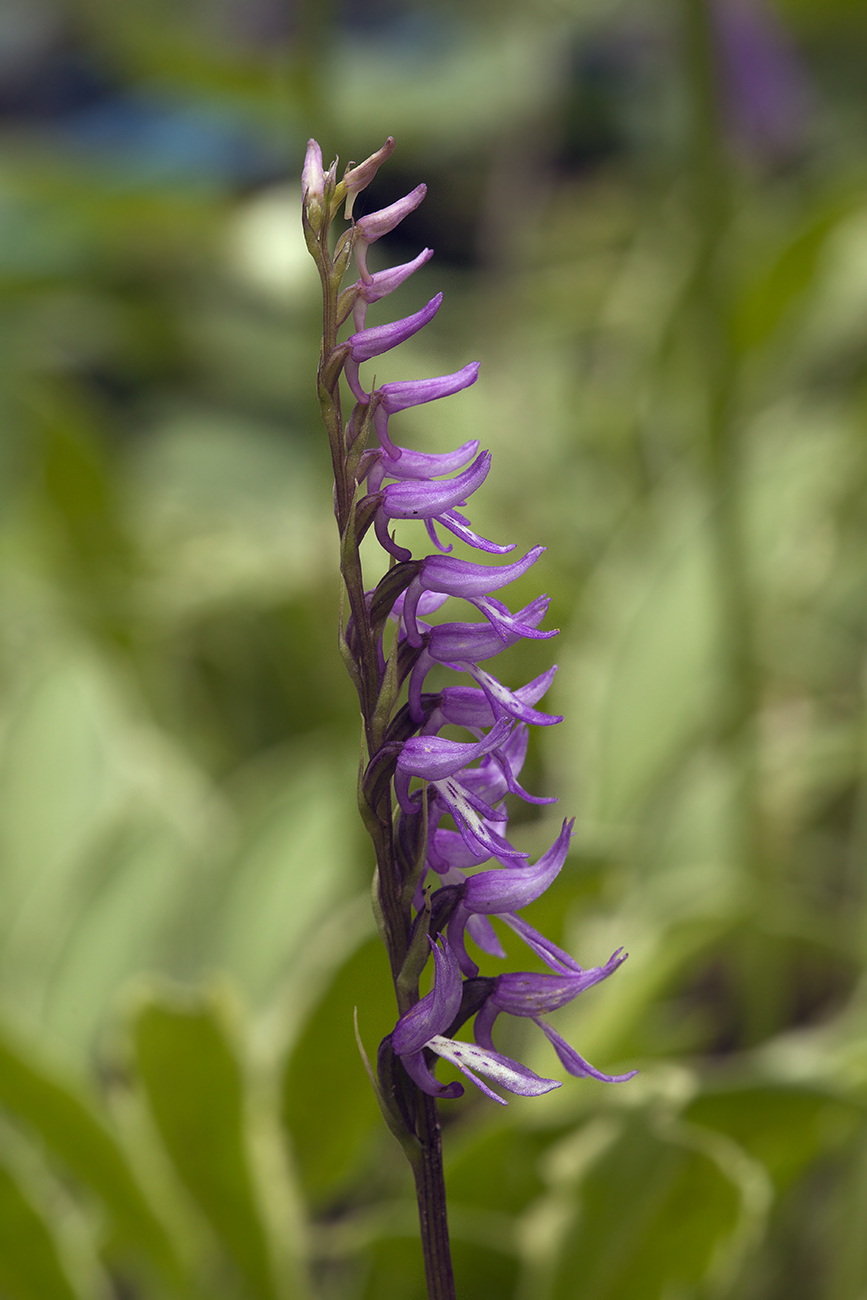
656 1216
495 1169
329 1107
772 297
31 1265
195 1090
74 1134
650 669
784 1127
295 862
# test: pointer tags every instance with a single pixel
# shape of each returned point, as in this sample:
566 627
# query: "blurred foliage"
668 296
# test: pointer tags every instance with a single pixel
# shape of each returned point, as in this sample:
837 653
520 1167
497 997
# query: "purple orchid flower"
453 795
423 1026
400 396
376 224
529 995
434 501
474 583
495 893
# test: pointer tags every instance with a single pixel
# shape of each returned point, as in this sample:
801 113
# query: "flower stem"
431 1195
377 808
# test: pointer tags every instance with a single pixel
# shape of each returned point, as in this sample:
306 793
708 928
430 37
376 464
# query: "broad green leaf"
296 862
329 1107
654 1217
495 1169
642 691
31 1263
73 1132
772 296
785 1127
195 1090
89 890
395 1270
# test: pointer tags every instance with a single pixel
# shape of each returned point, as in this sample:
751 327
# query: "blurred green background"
650 222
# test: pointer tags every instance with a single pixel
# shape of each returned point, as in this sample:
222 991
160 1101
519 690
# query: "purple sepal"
415 392
508 889
434 1012
465 579
385 282
434 757
485 936
373 342
527 994
415 499
404 393
463 706
483 1024
575 1063
416 464
376 224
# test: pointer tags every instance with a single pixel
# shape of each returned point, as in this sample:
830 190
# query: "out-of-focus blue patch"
145 140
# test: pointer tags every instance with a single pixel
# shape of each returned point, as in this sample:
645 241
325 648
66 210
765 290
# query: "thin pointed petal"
554 958
460 527
382 338
575 1063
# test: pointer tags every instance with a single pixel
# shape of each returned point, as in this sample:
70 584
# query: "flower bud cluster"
451 794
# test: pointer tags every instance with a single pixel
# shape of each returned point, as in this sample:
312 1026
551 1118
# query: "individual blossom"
422 1029
529 995
473 583
498 893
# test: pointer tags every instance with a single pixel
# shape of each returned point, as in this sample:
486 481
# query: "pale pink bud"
359 177
312 174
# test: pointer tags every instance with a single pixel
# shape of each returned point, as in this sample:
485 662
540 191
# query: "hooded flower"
527 994
423 1026
453 794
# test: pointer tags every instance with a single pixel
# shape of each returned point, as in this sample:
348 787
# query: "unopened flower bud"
313 183
359 177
